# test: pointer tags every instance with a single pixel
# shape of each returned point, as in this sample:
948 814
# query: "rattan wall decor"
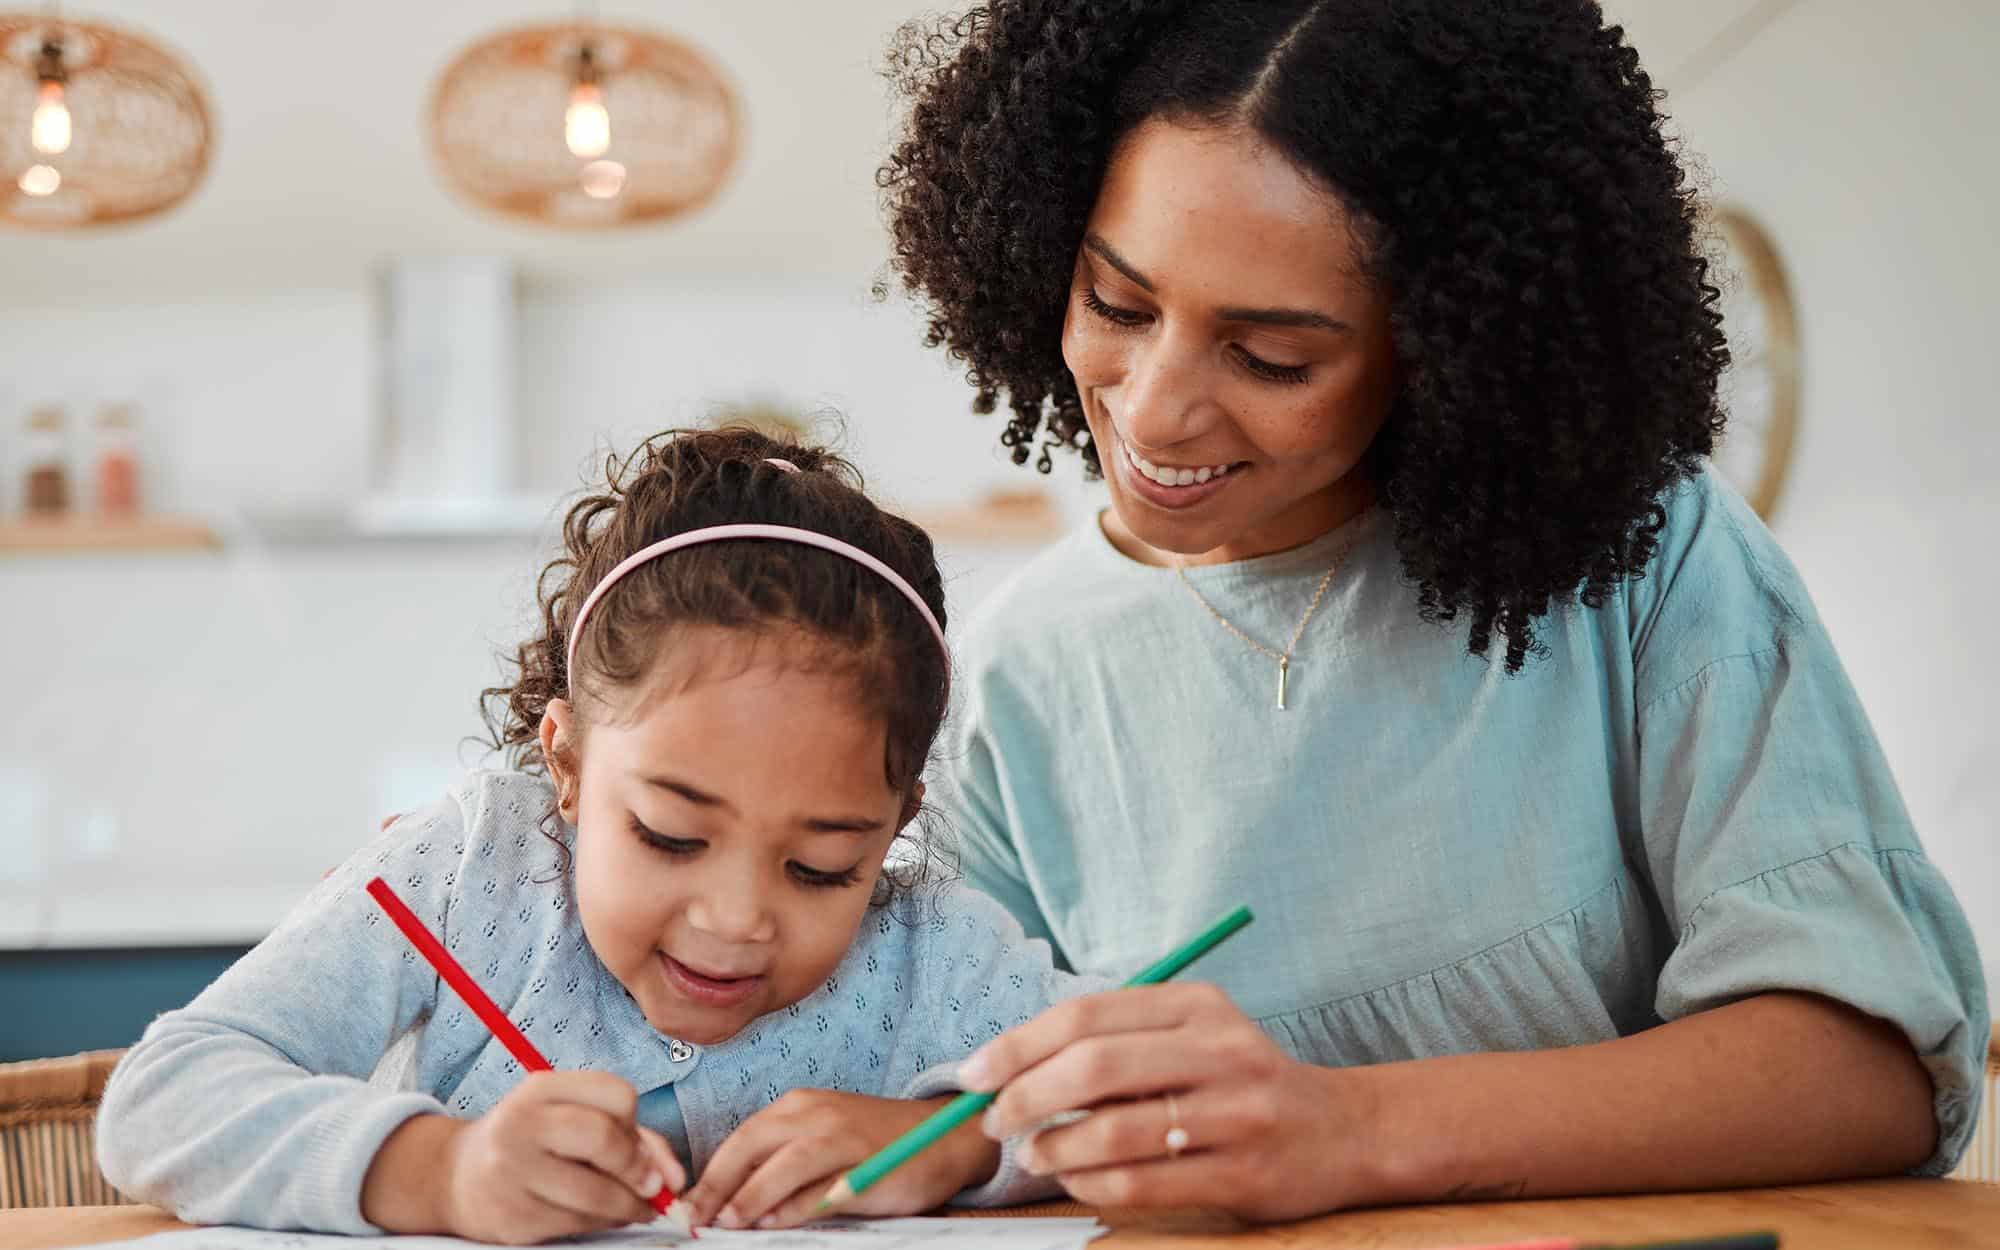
97 124
585 125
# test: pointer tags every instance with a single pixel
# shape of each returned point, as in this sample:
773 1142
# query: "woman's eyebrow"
1111 257
1301 317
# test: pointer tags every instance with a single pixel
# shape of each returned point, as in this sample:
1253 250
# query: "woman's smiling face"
730 829
1232 356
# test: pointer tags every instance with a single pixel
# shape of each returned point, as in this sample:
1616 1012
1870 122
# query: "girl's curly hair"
1556 333
685 480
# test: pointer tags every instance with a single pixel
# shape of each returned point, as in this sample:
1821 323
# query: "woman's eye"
1129 319
820 879
661 842
1111 312
1268 371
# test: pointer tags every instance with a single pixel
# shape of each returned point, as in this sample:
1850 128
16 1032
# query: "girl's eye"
1268 371
1126 317
661 842
814 878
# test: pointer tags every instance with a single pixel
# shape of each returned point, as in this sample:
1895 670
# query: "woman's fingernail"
1029 1159
989 1123
972 1073
769 1221
651 1184
728 1218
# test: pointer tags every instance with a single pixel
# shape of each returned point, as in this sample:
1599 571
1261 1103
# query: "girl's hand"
773 1170
561 1154
1266 1137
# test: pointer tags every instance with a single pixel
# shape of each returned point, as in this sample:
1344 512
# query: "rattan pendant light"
584 124
96 124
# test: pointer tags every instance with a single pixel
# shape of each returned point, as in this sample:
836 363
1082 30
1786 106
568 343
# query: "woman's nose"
1165 397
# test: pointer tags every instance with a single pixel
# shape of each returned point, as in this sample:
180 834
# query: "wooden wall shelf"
1005 518
85 534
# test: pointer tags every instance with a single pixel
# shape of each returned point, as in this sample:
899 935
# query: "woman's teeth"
1173 476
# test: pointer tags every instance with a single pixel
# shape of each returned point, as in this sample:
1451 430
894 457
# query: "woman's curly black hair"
1557 337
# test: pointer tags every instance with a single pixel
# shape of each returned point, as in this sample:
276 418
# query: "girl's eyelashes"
816 879
661 842
812 878
1132 319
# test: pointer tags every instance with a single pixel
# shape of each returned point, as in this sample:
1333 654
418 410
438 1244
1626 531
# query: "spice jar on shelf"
46 491
117 462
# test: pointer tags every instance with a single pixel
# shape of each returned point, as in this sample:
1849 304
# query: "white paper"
995 1233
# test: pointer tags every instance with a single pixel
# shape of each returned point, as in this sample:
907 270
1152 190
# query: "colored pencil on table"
966 1105
1727 1241
489 1014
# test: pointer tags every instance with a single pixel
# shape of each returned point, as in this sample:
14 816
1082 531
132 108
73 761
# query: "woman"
1414 621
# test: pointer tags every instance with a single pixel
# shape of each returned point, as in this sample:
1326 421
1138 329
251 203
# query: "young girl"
681 898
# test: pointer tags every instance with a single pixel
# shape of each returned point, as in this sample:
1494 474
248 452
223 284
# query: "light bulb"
49 131
602 180
40 180
586 126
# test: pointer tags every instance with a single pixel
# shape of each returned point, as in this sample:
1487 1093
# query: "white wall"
161 708
1862 136
232 723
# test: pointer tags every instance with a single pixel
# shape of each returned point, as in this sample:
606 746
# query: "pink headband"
721 533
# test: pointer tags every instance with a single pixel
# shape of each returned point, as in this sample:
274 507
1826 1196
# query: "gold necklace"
1283 658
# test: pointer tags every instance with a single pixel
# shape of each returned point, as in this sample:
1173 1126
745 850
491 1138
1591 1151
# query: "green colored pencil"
966 1105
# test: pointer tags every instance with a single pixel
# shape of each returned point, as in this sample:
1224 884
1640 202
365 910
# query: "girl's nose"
734 911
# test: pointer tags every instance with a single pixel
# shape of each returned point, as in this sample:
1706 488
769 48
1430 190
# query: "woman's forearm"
1773 1089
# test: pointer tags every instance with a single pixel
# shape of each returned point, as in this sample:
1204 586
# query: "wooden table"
1863 1215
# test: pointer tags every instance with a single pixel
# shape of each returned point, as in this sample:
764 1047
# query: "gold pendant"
1284 663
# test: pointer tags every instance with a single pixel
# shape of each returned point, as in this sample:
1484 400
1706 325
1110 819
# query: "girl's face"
729 830
1233 359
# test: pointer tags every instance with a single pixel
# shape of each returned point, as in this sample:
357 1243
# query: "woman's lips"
708 990
1169 497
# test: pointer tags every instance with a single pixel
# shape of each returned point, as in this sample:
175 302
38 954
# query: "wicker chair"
1982 1158
48 1138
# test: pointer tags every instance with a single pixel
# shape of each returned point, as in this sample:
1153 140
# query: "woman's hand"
1261 1135
773 1170
561 1154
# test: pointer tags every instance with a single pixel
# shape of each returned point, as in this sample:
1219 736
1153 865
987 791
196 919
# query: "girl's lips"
706 990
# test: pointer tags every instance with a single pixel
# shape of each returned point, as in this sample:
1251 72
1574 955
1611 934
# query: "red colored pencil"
490 1015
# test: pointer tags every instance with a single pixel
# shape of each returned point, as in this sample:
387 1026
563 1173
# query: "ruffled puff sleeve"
1785 861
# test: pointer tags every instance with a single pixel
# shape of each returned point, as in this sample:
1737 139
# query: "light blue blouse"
265 1100
1679 805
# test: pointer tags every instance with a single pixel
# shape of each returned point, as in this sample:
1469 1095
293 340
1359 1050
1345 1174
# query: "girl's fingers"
803 1206
612 1095
1144 1008
590 1198
588 1136
1095 1071
664 1158
803 1166
738 1156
